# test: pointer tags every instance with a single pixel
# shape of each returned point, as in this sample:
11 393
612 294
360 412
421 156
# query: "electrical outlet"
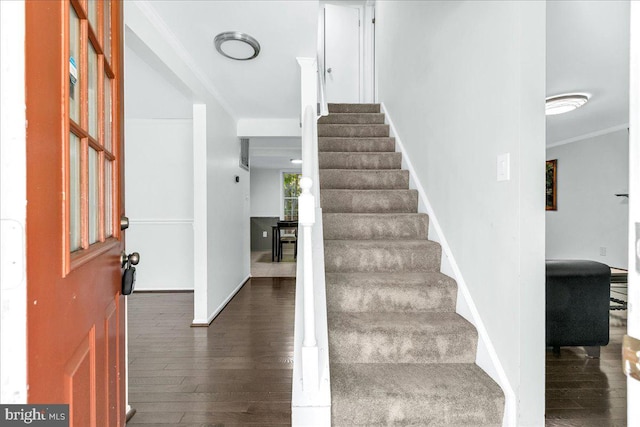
264 234
603 251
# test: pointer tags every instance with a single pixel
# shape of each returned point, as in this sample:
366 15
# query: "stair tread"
409 292
415 394
364 178
432 323
375 226
359 160
420 278
390 244
353 108
369 191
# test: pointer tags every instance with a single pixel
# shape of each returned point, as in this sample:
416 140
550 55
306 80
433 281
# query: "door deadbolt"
124 222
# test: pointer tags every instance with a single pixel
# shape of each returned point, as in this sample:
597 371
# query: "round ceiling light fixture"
560 104
237 45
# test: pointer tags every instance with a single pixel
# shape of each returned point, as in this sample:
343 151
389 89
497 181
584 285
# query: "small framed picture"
551 193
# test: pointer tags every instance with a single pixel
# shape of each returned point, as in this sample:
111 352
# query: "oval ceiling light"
560 104
296 161
237 45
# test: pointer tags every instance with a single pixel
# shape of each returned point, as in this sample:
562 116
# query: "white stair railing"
311 397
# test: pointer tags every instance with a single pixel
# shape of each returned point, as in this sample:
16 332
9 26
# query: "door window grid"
91 164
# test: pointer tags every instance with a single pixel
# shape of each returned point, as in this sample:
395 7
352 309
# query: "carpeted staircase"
399 353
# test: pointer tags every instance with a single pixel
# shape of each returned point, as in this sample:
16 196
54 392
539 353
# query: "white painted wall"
148 93
266 195
589 215
159 201
224 214
228 227
13 285
158 171
470 86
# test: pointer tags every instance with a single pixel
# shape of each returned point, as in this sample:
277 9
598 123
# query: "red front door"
75 317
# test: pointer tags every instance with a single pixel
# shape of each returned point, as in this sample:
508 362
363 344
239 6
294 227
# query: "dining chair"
287 233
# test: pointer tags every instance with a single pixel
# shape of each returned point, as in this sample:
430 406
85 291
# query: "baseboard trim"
206 322
486 356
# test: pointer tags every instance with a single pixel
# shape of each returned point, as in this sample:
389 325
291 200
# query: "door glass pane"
108 197
93 196
74 193
92 11
93 92
74 66
107 113
106 42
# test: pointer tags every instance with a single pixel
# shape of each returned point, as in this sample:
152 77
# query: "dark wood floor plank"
237 371
588 392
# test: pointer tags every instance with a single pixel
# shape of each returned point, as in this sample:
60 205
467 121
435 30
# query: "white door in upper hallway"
342 53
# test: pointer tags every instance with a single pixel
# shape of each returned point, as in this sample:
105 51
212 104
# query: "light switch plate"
504 167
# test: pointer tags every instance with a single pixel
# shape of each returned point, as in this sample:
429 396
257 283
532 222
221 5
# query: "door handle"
129 274
128 260
329 70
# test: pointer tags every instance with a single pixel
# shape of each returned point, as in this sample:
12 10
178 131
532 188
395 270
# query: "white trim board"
207 321
589 135
486 356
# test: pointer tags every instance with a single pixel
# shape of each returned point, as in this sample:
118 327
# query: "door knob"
128 260
124 222
329 70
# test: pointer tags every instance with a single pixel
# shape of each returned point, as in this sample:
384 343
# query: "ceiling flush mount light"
237 45
296 161
560 104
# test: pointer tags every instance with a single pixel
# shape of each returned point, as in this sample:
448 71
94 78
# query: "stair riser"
353 131
375 161
381 259
486 411
354 108
416 347
375 226
390 298
358 145
364 179
353 118
368 201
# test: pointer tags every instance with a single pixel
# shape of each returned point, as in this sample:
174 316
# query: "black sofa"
577 304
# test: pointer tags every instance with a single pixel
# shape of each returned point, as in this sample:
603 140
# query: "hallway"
235 372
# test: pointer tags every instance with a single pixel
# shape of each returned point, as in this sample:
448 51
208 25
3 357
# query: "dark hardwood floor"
236 372
588 392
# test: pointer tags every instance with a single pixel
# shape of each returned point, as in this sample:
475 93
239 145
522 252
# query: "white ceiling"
588 51
274 153
267 86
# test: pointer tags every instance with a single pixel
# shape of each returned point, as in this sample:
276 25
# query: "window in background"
291 192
